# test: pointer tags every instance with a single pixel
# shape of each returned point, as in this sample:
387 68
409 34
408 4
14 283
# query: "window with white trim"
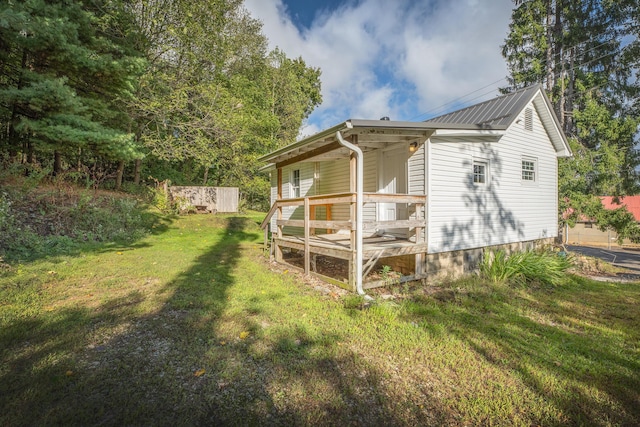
480 172
295 183
529 170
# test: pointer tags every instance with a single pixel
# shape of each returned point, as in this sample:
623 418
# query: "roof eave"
559 139
305 141
359 124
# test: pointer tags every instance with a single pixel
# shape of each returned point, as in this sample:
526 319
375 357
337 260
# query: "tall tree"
587 54
212 96
63 76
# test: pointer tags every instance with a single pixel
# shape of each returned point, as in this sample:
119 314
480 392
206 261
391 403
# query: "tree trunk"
549 47
119 175
559 59
13 136
136 173
206 176
57 163
568 125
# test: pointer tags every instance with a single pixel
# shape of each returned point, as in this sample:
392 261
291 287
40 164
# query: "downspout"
359 198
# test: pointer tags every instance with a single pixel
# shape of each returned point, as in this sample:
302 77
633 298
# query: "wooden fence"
210 199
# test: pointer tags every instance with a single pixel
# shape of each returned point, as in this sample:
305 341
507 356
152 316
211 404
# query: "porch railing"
309 223
311 203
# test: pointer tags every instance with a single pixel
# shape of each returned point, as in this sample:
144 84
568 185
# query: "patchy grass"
192 326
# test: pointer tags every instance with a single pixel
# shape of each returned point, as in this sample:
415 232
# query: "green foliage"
213 98
63 80
187 86
532 266
37 223
163 202
587 55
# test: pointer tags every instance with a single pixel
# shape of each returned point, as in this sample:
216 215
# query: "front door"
393 180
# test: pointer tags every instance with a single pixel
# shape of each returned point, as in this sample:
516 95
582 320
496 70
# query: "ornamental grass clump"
541 266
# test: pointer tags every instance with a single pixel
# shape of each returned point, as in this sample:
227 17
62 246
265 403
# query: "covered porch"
337 239
332 224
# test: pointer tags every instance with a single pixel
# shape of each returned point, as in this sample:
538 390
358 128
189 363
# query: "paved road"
625 258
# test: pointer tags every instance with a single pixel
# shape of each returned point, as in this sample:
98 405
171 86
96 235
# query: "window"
529 170
295 183
480 172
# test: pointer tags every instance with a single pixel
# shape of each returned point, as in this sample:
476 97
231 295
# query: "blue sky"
406 59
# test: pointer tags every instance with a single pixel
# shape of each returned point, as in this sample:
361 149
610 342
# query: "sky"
403 59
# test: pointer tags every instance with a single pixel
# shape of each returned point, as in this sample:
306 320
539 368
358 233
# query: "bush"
541 266
50 221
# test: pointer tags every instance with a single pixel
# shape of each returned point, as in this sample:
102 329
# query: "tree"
587 55
212 96
63 77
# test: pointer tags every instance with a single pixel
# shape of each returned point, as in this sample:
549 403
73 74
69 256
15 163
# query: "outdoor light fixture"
413 146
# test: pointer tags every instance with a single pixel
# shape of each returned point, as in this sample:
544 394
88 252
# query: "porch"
312 237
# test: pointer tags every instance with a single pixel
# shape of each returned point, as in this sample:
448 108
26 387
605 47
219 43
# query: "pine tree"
62 81
587 55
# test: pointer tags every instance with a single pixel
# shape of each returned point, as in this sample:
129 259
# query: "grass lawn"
191 326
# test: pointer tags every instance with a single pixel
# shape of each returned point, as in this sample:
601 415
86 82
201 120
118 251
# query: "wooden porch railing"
310 223
329 200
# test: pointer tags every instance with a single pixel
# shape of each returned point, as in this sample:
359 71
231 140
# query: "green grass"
191 325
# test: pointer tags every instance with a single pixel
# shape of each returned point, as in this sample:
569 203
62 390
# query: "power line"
439 109
456 99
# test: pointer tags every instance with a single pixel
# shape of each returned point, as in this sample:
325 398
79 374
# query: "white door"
393 180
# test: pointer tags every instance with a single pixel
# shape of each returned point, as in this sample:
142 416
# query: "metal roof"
497 113
487 119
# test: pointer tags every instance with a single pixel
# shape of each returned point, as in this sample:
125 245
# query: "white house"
423 197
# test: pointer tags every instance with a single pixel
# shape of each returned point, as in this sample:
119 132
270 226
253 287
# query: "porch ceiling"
368 134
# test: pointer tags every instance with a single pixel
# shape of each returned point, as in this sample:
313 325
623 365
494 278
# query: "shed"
210 199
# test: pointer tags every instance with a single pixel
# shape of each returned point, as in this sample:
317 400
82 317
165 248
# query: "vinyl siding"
417 179
307 188
370 184
334 178
465 215
416 171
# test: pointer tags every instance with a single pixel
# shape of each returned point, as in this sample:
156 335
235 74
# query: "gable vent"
528 119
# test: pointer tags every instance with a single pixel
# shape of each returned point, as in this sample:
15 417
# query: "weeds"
46 222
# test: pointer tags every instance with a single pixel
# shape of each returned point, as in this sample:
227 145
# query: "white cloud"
398 59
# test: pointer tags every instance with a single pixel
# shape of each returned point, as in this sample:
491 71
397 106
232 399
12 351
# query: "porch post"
277 251
352 216
419 257
307 255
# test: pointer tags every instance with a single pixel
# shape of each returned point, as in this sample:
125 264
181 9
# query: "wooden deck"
338 239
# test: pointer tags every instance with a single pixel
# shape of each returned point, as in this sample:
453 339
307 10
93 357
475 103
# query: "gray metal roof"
497 113
486 119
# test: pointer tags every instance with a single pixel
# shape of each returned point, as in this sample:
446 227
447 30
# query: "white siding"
370 184
307 187
274 196
465 215
417 179
334 178
416 171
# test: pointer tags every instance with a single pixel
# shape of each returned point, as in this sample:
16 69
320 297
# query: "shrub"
542 266
48 221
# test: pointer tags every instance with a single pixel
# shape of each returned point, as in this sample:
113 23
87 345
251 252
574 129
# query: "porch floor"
339 245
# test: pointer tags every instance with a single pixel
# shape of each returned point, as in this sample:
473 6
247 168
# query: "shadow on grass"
574 348
192 362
